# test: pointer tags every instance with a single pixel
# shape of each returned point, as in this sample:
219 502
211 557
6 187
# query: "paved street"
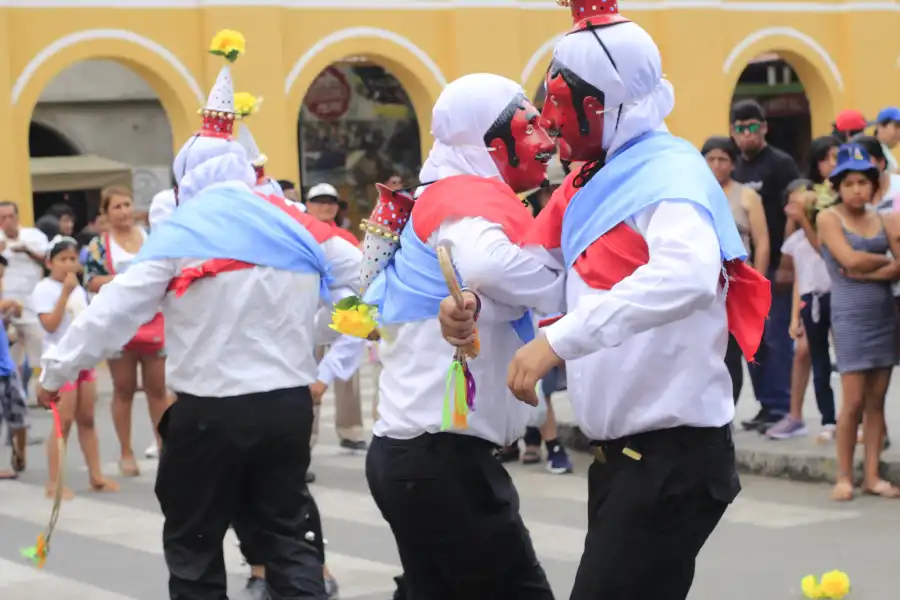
107 547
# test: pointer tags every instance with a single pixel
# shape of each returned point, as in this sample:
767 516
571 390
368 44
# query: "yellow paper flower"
835 584
228 44
356 321
246 104
810 587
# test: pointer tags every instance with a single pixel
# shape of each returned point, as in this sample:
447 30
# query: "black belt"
439 441
661 441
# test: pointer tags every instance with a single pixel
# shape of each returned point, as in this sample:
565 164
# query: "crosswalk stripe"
744 511
20 581
141 530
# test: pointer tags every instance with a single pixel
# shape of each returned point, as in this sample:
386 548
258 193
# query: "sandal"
8 475
128 467
842 492
883 489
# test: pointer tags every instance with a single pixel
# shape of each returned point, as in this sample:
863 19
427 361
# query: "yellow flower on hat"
246 104
228 44
354 318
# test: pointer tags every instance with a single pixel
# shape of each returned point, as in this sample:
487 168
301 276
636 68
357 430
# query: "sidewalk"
798 459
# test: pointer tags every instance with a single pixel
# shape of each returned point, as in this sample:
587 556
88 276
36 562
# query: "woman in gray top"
854 243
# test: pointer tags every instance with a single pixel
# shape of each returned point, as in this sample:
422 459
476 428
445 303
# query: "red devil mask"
520 146
574 113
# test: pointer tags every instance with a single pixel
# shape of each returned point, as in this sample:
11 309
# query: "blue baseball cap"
891 114
851 158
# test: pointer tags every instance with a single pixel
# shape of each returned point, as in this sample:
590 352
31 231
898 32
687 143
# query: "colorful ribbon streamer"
459 395
39 552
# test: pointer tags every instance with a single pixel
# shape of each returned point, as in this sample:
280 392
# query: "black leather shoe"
359 446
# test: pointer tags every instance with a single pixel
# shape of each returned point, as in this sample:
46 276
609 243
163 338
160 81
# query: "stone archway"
817 71
176 88
416 71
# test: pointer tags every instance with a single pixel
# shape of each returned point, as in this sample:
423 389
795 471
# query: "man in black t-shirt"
768 170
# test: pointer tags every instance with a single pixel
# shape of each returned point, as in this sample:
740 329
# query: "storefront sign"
329 96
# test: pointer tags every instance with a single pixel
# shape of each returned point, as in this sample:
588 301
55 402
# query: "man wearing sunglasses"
768 170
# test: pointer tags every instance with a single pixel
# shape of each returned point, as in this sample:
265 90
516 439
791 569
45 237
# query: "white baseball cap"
322 190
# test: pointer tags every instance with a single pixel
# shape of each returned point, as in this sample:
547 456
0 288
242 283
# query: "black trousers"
255 556
454 512
650 514
240 458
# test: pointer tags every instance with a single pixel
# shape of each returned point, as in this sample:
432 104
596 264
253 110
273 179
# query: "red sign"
329 95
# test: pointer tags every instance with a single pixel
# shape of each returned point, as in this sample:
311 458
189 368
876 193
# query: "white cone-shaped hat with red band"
219 113
383 229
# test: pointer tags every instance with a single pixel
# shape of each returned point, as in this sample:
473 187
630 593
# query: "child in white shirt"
57 300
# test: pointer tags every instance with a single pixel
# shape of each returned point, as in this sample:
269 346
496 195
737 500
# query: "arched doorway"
112 119
771 80
357 127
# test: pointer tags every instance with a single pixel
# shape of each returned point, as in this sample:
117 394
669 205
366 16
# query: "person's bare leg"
87 437
66 406
848 418
877 382
124 375
800 376
153 374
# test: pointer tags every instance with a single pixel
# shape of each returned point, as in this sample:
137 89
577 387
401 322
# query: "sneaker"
787 428
762 421
331 587
508 453
359 446
255 590
558 461
531 456
152 452
827 434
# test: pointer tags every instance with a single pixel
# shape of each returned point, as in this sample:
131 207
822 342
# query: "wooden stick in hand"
446 262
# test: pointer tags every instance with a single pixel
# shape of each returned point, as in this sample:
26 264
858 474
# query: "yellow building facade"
845 52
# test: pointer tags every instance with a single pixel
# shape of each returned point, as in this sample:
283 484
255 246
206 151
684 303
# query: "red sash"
463 196
212 267
620 251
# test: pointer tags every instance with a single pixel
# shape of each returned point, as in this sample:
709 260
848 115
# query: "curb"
795 467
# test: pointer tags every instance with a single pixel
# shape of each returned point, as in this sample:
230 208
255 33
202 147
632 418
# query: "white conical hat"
221 98
245 139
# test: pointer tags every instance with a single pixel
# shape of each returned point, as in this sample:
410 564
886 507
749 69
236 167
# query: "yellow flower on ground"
835 584
228 44
246 104
356 321
810 587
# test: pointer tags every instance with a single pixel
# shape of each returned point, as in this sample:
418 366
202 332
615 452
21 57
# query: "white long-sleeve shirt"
649 353
415 357
240 332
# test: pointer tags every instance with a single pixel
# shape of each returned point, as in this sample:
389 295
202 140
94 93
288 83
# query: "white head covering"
245 138
161 208
464 112
636 83
270 187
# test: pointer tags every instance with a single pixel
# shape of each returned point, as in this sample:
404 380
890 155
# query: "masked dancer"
453 509
239 279
656 279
